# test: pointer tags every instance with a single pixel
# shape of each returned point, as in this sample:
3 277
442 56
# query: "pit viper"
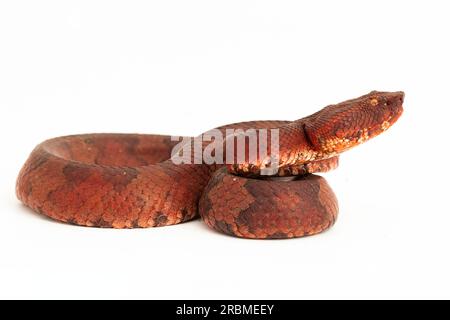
130 180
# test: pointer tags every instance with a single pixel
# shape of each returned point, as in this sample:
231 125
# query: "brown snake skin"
129 180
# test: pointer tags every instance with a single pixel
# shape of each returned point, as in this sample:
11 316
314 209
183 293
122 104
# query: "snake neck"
296 147
294 154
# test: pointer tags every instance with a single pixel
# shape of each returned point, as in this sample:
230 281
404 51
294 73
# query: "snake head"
337 128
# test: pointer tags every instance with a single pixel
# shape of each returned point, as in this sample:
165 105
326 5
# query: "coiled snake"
129 180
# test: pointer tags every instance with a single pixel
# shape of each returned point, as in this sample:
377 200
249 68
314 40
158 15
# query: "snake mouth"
394 113
334 145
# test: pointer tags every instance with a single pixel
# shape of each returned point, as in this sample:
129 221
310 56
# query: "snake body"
129 180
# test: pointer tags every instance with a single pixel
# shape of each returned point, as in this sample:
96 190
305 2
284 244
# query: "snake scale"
129 180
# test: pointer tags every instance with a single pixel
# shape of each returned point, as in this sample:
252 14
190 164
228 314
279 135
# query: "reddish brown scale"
128 181
110 180
268 209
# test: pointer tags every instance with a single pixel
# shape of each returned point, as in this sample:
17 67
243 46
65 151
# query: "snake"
131 181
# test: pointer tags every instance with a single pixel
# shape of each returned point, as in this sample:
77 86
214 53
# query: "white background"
182 67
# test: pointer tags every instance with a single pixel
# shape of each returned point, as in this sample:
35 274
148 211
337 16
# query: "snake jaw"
340 127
